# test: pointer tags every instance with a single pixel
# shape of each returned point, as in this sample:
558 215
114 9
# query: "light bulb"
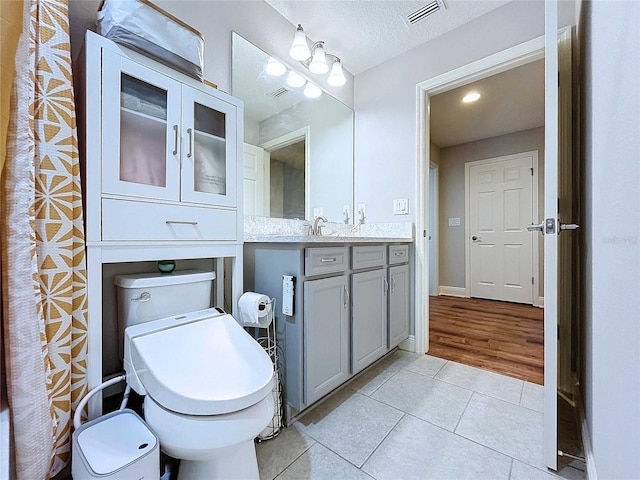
471 97
295 80
319 61
299 49
312 91
336 77
274 67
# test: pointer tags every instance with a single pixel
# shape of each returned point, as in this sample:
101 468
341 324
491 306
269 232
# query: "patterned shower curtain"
43 251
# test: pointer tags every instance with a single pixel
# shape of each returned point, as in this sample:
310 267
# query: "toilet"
206 382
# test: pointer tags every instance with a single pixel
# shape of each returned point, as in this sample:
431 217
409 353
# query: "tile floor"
417 417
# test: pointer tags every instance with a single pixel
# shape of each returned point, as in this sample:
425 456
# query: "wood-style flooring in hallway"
500 336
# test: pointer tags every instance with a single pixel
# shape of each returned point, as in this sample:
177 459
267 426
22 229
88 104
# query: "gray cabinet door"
326 336
398 304
369 318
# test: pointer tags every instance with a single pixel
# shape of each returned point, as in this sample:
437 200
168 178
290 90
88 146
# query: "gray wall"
610 383
451 198
385 102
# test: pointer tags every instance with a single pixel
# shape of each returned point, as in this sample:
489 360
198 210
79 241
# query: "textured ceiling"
511 101
367 33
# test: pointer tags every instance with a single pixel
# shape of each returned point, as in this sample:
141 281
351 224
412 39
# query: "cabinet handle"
398 254
190 135
327 260
393 284
175 140
346 296
181 222
385 287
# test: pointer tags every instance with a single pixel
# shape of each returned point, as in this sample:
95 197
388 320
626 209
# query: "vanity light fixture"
312 91
295 80
470 97
275 68
315 58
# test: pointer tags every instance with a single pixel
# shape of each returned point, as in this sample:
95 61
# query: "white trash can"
116 446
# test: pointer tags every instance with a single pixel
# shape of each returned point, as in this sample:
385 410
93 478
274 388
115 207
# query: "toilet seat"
206 366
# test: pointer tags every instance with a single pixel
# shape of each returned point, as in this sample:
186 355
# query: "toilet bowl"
208 391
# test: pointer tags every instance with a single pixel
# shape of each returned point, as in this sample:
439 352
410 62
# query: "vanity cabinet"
326 336
369 306
342 311
399 294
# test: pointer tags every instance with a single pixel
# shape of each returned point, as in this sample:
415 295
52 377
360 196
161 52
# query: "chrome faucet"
317 228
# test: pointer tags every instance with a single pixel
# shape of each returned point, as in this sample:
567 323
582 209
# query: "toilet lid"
206 367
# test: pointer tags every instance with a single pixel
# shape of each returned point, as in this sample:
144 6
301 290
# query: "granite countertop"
322 239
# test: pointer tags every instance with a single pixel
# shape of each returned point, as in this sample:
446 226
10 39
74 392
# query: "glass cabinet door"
141 132
208 150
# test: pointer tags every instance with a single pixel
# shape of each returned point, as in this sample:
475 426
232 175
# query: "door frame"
285 140
516 56
535 260
434 263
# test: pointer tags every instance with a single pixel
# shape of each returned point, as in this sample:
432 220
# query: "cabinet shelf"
143 115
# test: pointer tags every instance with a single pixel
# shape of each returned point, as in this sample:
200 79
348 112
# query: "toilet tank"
150 296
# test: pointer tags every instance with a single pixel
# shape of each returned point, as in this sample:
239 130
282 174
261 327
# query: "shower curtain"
43 252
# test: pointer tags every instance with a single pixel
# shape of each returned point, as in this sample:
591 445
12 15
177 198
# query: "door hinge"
532 171
531 280
424 233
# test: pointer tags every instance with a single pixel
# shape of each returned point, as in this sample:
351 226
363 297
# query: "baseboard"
409 344
541 302
452 291
586 439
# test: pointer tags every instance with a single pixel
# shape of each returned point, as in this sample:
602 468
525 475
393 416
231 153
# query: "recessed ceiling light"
471 97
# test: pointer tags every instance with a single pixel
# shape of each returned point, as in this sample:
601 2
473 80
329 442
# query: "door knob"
536 228
474 238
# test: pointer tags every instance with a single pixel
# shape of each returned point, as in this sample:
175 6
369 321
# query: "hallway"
503 337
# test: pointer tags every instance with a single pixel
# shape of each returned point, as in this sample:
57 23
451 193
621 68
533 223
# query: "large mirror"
298 154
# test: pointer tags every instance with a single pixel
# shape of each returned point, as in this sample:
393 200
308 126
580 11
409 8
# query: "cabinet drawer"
398 254
318 261
368 256
128 220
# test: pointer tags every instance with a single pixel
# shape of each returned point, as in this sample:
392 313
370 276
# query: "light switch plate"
401 206
454 222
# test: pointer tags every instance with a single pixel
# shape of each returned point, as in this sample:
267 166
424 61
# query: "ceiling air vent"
423 12
278 92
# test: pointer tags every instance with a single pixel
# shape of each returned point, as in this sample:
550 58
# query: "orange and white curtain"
43 251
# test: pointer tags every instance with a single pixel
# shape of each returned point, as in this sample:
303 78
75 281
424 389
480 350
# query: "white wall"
385 101
256 21
610 35
451 183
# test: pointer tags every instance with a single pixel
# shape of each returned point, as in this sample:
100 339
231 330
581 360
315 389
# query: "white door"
500 208
560 207
254 179
434 281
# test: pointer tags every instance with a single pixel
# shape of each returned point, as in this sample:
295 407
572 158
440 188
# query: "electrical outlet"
346 213
362 212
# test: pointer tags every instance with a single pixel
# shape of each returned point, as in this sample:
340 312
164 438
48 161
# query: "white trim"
409 344
435 234
452 291
540 302
586 438
284 141
504 60
535 267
